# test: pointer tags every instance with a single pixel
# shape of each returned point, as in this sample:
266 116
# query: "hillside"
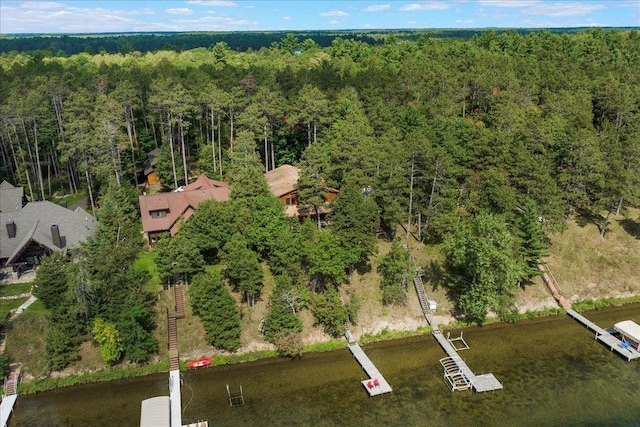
586 267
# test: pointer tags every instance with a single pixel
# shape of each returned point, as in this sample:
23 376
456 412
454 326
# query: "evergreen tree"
532 246
355 220
52 280
330 312
216 307
483 266
246 172
282 326
242 269
396 269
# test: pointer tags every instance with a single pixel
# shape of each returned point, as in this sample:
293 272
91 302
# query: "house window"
158 214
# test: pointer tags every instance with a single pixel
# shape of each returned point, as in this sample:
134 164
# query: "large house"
165 212
30 230
283 181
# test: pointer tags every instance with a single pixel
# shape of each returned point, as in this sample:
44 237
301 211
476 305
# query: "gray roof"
33 223
10 197
152 159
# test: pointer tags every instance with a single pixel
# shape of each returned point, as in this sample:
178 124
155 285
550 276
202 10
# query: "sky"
75 16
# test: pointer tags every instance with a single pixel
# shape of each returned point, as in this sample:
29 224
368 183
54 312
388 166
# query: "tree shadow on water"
631 226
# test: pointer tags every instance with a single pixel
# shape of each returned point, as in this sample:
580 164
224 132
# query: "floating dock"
376 384
606 337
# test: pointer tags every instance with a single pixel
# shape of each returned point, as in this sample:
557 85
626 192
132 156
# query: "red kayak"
198 363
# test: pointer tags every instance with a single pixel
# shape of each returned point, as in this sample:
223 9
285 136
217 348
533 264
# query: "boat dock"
456 372
606 337
376 384
10 395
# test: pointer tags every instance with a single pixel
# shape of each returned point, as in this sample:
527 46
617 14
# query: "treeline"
64 45
451 139
71 44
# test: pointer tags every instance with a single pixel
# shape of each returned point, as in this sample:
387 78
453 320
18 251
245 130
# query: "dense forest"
70 44
478 144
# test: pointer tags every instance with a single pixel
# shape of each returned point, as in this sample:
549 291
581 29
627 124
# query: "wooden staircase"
11 384
552 284
178 293
172 332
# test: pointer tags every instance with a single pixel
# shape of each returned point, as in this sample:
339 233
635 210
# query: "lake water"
554 374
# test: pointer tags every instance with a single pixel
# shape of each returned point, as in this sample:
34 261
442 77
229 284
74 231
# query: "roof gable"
177 203
282 180
33 223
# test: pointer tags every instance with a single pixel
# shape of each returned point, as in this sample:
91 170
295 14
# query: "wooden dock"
376 384
374 374
606 337
10 395
458 375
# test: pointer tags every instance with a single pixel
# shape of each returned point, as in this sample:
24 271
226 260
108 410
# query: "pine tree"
531 238
242 269
396 269
212 301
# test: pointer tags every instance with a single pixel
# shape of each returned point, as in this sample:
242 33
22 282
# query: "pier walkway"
376 384
10 395
606 337
456 371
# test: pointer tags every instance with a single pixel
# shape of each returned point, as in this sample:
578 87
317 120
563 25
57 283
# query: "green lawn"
7 305
146 262
15 289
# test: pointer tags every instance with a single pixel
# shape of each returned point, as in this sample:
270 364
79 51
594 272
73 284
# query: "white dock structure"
606 337
458 375
10 395
166 411
376 384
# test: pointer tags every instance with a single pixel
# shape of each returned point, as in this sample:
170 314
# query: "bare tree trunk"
26 139
619 207
86 174
184 154
127 112
266 149
38 166
410 196
273 156
173 157
213 140
220 144
605 224
231 134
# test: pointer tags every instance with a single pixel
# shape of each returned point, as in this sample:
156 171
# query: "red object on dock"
198 363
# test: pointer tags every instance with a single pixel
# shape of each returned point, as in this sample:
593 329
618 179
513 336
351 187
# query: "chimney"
11 229
55 235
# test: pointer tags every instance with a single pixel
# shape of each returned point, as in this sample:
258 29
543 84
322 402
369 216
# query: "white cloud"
563 9
464 21
377 8
336 22
508 3
425 6
286 18
41 5
334 13
179 11
221 3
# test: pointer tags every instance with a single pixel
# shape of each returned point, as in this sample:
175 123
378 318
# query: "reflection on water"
554 374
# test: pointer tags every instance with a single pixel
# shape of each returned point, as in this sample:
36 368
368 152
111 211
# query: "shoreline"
37 386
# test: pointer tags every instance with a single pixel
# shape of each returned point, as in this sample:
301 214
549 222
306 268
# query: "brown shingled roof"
179 203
